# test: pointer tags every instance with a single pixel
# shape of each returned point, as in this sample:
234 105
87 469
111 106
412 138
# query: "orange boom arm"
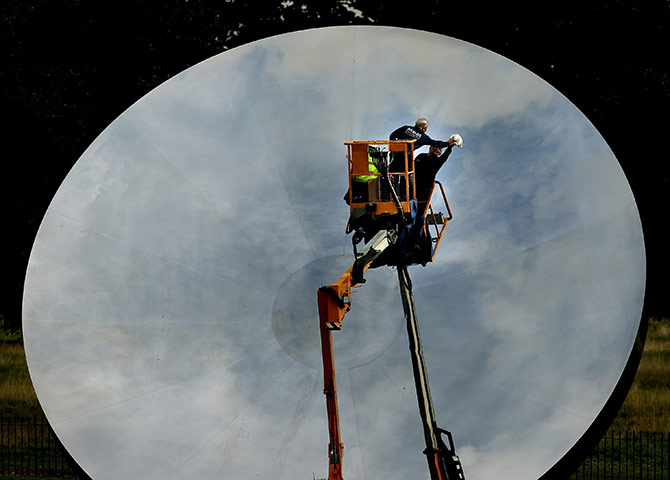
334 302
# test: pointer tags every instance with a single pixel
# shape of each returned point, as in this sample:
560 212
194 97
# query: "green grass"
17 396
27 449
647 406
627 455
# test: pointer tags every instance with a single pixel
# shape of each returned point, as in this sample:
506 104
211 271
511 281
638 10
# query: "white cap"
457 139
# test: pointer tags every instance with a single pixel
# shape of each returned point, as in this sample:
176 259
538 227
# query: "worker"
426 166
360 183
418 133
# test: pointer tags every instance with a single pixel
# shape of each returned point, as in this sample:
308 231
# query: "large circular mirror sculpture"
170 303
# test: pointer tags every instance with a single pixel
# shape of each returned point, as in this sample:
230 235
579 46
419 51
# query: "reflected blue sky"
158 304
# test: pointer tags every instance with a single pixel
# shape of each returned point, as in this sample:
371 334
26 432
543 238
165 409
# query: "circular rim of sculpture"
152 284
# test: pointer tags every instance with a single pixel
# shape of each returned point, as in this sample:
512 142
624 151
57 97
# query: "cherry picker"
397 230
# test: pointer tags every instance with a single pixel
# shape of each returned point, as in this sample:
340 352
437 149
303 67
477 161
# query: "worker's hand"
456 139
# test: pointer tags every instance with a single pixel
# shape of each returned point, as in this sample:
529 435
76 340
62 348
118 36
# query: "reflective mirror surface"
170 303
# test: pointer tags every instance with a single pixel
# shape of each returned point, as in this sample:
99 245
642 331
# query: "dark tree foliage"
69 68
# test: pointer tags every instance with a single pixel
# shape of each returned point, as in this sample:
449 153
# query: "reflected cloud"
170 301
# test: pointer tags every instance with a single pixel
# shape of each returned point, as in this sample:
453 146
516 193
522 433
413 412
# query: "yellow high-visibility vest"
372 168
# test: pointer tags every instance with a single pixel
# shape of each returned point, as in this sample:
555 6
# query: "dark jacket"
412 133
426 167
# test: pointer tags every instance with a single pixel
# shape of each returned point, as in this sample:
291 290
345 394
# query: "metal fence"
28 449
629 456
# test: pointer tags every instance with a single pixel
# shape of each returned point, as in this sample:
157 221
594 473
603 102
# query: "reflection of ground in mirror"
368 330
